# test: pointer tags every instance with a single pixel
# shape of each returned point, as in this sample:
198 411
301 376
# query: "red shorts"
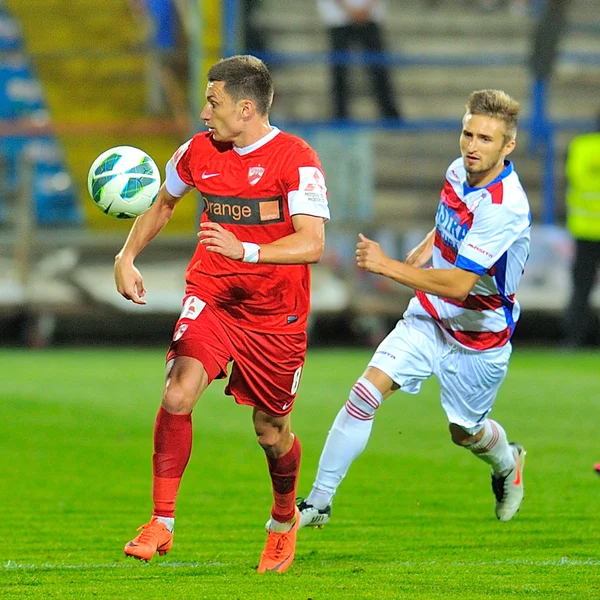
266 367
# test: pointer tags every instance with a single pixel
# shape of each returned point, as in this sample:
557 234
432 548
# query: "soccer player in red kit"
247 290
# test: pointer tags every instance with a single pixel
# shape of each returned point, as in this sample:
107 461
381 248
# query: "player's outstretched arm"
128 279
454 284
304 246
421 254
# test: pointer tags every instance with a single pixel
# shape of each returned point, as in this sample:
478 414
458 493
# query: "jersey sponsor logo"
384 353
481 250
449 226
254 174
206 175
243 211
312 184
292 319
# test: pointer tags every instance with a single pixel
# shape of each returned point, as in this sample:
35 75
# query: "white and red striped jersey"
486 231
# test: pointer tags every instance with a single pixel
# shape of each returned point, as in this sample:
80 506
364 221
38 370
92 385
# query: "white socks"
347 438
168 522
493 448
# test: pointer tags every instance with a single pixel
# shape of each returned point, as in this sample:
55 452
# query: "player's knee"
364 399
177 400
459 436
267 441
271 438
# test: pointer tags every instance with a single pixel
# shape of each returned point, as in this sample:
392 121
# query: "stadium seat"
11 35
22 102
21 93
54 196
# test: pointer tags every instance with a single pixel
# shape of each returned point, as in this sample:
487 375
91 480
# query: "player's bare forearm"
454 284
128 280
421 254
304 246
441 282
146 227
294 249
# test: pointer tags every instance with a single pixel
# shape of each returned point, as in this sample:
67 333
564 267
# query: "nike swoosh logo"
206 175
279 565
517 480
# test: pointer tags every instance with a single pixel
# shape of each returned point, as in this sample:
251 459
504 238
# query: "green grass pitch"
414 518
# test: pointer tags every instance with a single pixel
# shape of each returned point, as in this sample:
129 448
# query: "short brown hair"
498 104
245 76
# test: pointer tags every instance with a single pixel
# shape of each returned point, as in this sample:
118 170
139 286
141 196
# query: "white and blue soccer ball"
124 182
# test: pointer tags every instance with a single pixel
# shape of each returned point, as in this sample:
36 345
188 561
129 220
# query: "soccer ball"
123 182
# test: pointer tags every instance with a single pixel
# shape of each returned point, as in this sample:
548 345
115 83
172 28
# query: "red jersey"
252 192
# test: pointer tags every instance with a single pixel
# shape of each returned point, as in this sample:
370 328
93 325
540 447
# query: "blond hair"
497 104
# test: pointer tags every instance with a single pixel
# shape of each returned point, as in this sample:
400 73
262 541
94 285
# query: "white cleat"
310 516
509 490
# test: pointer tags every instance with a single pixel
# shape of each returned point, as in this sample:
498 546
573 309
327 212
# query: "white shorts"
469 379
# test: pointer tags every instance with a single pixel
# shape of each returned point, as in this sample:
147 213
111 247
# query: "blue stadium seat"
54 194
22 102
21 93
11 34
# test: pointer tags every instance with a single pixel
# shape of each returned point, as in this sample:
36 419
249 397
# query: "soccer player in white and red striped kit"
247 291
459 325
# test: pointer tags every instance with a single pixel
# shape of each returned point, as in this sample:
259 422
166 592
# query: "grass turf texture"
414 519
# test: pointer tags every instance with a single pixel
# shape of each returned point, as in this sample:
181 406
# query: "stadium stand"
27 140
86 76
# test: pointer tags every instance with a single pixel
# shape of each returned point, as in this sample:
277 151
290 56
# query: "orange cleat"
155 537
279 551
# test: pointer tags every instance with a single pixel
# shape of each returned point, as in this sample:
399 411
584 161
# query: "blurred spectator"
164 68
583 222
357 24
254 39
547 35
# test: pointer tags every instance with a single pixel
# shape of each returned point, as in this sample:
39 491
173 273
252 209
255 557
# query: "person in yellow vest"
583 222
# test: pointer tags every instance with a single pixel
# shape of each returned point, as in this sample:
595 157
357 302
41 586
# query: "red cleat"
155 537
278 554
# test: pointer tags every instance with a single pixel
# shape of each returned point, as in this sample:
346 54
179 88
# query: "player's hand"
129 281
217 239
369 255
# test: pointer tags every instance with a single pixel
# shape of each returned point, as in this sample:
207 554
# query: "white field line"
560 562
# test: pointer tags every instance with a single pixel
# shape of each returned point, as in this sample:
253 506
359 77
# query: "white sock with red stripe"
493 448
347 438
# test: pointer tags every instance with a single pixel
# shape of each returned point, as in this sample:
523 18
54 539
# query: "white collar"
259 143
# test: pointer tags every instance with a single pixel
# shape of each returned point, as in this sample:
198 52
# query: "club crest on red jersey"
254 175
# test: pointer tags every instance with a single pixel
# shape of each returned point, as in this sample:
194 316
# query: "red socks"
284 476
172 449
